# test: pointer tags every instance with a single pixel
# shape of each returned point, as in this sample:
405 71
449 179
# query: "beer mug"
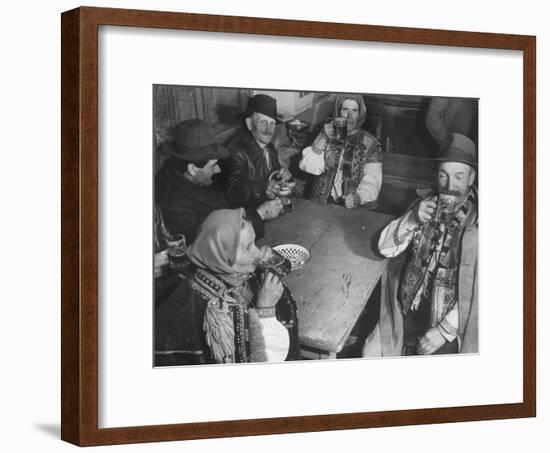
176 249
287 200
340 129
286 187
446 202
274 262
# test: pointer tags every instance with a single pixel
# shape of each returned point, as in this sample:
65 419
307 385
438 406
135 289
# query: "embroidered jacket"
203 306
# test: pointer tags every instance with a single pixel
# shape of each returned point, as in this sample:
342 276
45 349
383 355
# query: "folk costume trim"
232 332
360 148
431 273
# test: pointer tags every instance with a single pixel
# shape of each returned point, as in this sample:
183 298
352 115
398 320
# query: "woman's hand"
328 129
270 291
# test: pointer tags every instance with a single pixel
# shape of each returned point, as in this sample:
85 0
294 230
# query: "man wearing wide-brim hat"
185 191
253 157
431 306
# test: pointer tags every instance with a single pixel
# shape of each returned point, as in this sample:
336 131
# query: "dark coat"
245 173
184 205
179 330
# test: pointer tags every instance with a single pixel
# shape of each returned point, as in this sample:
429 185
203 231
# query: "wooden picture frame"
79 314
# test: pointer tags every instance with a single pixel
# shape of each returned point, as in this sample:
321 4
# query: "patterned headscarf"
215 247
362 107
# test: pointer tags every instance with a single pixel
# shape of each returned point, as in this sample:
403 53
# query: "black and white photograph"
302 225
255 226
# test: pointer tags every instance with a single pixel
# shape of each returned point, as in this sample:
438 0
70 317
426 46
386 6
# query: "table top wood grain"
332 289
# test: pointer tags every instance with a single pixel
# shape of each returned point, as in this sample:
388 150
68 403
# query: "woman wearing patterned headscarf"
349 169
224 313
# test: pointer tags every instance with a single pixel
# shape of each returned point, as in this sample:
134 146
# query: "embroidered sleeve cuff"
266 312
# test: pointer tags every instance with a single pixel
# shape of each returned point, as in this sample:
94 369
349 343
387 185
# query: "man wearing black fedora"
431 303
252 156
185 192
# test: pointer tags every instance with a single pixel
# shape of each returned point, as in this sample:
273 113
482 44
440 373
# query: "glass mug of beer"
287 187
287 199
274 262
446 202
340 128
176 249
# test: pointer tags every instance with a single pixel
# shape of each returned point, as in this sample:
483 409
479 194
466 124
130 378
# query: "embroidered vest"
431 272
360 149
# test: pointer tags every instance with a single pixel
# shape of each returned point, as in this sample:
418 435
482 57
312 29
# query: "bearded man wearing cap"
185 192
253 158
431 306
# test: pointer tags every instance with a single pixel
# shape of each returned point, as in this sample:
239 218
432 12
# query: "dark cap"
195 141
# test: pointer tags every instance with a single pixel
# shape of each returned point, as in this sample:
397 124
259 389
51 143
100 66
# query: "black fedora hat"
261 103
195 141
458 148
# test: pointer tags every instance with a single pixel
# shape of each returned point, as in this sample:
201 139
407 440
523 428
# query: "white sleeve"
369 188
397 236
277 341
312 162
449 325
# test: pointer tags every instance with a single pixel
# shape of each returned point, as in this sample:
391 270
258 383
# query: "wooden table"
332 289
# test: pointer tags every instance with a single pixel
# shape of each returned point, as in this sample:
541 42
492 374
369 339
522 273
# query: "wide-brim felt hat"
194 141
261 103
458 148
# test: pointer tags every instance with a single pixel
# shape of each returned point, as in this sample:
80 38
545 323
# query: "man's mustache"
454 193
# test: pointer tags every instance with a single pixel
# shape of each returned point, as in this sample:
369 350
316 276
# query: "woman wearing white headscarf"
350 170
225 313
